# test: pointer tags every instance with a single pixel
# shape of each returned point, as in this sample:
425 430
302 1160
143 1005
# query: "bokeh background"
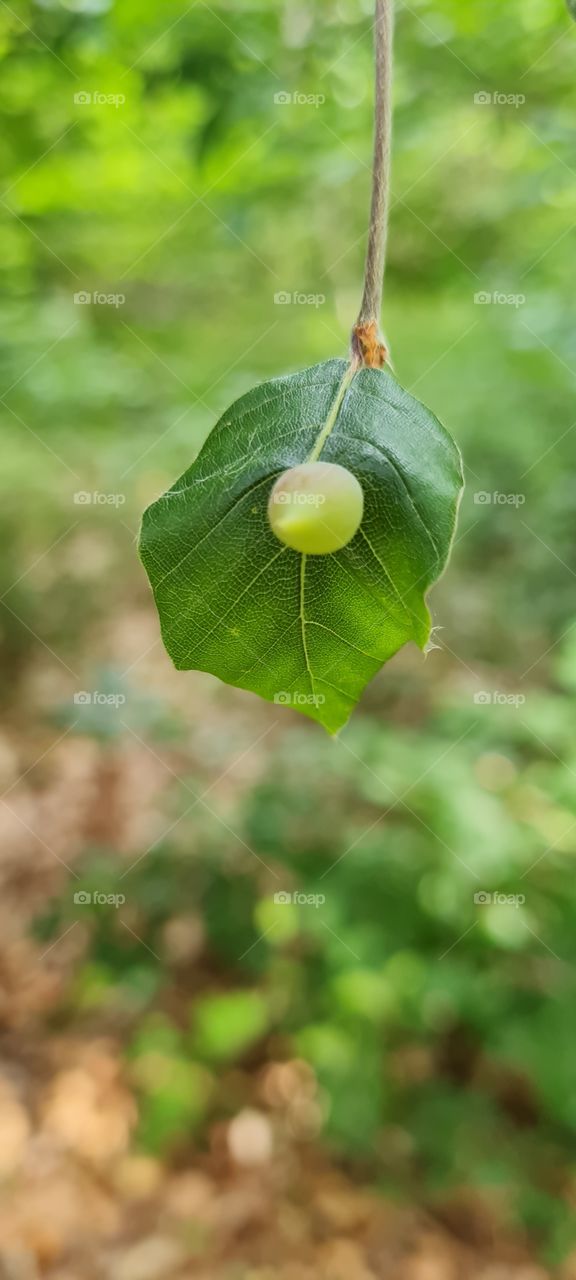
196 1080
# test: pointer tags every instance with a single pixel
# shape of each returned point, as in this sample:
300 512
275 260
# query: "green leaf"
225 1026
306 631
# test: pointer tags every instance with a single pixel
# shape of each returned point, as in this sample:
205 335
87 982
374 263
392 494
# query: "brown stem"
367 345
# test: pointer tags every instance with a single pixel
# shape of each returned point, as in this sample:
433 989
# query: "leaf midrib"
323 436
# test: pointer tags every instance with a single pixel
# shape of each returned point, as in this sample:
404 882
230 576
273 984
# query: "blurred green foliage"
441 1030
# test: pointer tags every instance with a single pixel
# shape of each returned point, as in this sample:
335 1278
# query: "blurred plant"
440 1029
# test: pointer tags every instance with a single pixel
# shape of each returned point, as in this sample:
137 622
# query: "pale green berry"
316 507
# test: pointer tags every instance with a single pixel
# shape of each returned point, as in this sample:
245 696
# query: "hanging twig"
366 342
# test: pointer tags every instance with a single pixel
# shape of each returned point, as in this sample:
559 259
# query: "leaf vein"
213 528
303 618
238 599
394 464
406 609
374 656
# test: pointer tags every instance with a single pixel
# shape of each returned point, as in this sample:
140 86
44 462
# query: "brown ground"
261 1201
